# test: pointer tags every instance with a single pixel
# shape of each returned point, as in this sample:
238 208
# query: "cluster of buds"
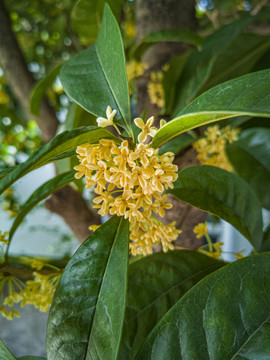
130 182
211 147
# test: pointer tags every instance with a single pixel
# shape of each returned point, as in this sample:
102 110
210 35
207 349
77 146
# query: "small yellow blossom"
130 182
239 255
3 237
37 264
103 122
211 148
146 128
94 227
155 89
200 230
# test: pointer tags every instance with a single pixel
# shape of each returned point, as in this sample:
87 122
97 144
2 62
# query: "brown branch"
66 202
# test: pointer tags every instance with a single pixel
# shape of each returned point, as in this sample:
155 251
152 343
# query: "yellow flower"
146 128
3 237
200 229
94 227
37 264
103 122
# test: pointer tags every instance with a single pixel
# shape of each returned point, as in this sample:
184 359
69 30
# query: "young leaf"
87 313
60 144
40 194
175 35
5 354
222 194
96 77
246 95
86 16
40 89
224 316
156 283
250 159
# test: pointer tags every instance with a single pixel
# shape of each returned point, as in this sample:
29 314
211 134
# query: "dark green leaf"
266 240
40 194
96 77
5 354
156 283
199 66
222 194
224 316
175 35
87 313
40 89
250 157
238 59
246 95
60 144
86 16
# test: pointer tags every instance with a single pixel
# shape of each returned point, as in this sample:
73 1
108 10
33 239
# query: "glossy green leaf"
87 313
250 157
86 16
60 144
40 194
238 59
5 354
224 317
96 77
200 64
175 35
246 95
224 195
40 89
156 283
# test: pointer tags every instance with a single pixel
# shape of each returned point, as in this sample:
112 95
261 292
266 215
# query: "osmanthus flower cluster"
130 182
38 292
211 147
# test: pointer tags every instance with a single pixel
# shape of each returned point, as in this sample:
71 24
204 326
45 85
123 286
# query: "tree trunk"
151 16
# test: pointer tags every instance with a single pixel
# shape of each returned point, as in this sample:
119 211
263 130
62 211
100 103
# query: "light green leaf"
40 194
175 35
96 77
222 194
86 16
246 95
60 144
87 313
5 354
224 316
40 89
250 157
156 283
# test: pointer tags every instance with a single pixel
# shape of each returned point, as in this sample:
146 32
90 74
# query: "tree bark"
66 202
151 16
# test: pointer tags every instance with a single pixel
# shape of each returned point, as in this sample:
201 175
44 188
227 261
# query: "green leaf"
222 194
78 117
224 316
40 89
86 16
246 95
156 283
5 354
60 144
87 313
174 35
250 157
238 59
40 194
200 64
266 240
96 77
